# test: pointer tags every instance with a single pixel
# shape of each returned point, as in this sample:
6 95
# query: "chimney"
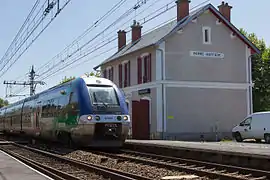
121 39
182 9
136 31
225 10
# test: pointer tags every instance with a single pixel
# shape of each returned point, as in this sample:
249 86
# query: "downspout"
250 83
162 90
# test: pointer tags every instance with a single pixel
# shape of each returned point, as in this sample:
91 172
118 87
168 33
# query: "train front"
108 123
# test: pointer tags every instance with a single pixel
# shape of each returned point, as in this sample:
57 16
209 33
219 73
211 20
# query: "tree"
97 74
67 79
3 102
260 74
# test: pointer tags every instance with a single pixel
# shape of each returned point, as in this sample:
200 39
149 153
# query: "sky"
78 15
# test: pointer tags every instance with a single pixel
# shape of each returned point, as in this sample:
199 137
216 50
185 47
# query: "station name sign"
206 54
144 91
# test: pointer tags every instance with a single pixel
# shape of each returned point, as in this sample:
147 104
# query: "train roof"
97 80
88 80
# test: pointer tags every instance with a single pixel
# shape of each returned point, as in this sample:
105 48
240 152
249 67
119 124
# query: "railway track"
206 170
200 168
61 168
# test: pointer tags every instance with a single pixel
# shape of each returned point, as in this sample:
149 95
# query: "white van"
255 126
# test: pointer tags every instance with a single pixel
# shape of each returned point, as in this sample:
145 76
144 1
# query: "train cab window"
103 95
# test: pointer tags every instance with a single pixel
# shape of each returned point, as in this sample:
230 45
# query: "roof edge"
215 11
187 20
247 41
96 67
182 23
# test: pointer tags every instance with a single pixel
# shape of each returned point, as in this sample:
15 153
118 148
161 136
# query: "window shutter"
112 74
105 73
139 70
149 78
145 74
120 75
126 78
128 73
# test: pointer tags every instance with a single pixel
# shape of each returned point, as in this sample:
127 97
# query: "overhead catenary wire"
110 41
88 30
136 6
65 66
167 5
85 44
37 24
89 41
20 30
80 57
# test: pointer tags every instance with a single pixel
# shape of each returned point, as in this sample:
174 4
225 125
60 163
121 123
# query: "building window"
144 69
110 73
104 73
124 74
206 35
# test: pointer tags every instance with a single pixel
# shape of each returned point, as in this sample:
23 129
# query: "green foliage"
3 102
67 79
260 74
97 74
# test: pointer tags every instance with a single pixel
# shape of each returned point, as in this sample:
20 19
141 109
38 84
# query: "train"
87 111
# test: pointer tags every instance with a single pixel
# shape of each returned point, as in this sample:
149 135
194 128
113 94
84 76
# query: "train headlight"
97 118
89 118
119 118
125 118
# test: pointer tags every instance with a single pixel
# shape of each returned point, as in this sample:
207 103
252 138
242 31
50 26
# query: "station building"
190 78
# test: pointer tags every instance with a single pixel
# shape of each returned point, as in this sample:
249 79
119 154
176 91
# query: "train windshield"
103 95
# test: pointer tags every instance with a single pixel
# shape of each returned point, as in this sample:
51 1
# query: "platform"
13 169
5 142
245 148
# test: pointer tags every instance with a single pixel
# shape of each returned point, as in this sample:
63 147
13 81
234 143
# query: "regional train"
85 111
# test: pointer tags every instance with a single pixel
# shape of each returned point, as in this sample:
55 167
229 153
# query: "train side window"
73 97
63 101
49 108
44 110
53 107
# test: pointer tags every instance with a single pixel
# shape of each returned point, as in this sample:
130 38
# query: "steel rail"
113 174
201 168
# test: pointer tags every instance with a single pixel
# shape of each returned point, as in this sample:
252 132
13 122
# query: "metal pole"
32 77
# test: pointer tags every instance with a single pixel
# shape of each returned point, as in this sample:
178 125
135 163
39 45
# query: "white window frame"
209 34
